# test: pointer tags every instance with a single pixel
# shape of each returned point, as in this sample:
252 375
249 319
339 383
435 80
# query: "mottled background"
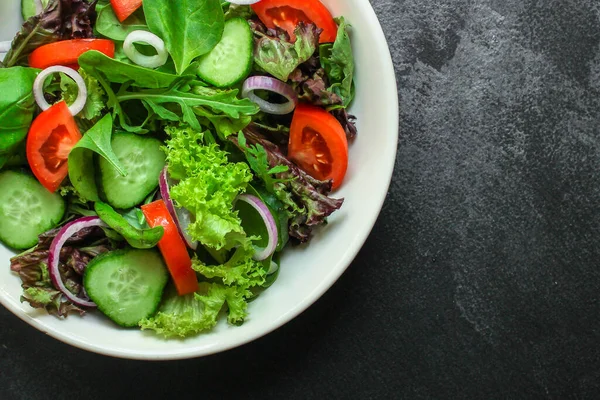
481 277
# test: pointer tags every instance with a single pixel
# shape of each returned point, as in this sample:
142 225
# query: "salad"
157 157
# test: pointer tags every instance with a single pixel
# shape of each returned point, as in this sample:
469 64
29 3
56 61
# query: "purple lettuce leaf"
305 198
60 20
32 268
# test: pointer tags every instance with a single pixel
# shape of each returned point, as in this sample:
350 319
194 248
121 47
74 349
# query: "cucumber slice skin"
231 59
27 209
127 285
143 159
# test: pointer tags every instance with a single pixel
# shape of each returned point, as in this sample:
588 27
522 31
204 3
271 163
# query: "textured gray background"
480 279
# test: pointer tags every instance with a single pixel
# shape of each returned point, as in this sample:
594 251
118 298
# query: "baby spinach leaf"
16 106
81 164
108 25
82 174
139 238
190 28
97 139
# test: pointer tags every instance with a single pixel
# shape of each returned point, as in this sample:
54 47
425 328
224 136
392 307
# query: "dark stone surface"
481 278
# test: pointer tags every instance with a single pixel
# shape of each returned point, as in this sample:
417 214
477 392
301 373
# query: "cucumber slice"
231 59
30 8
143 160
27 209
127 285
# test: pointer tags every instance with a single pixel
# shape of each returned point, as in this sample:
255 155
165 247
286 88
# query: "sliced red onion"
148 38
54 256
4 47
263 211
183 218
272 85
243 2
38 88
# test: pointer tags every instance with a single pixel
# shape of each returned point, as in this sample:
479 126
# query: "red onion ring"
181 216
54 256
272 85
265 214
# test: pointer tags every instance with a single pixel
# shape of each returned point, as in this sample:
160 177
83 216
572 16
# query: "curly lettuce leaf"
240 270
208 185
182 316
96 97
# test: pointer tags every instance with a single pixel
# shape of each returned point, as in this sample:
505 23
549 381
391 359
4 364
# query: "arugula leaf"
222 108
81 158
258 160
16 106
115 71
189 28
139 238
279 57
108 25
338 61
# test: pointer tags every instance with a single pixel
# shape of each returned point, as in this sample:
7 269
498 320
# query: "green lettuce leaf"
279 57
96 98
208 185
181 316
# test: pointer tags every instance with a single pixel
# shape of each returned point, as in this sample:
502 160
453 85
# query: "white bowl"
308 271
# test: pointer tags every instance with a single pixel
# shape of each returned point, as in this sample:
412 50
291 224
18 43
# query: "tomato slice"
286 14
124 8
318 144
67 52
51 137
172 247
